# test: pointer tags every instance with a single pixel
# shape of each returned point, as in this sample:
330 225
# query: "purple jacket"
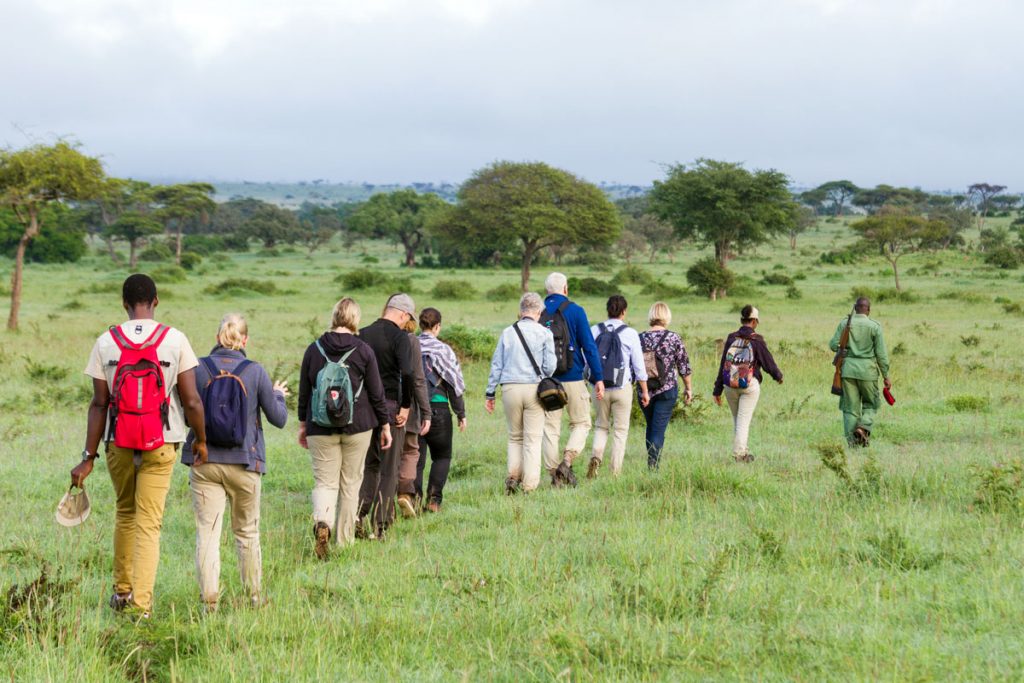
762 357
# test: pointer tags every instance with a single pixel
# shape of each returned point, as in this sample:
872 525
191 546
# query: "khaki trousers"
579 426
613 412
338 462
525 417
140 487
212 485
742 403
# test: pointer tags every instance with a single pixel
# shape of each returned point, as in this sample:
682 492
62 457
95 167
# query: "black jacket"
762 357
394 354
370 409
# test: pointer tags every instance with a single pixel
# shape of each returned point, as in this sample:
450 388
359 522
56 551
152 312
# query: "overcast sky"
915 92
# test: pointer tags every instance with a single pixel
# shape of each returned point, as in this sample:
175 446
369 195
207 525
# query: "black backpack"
559 327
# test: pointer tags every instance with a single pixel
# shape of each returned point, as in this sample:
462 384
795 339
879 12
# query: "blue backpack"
225 405
609 350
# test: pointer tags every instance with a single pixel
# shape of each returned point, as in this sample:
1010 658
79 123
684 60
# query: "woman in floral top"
665 356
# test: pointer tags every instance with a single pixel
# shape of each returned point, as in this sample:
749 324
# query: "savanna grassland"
902 562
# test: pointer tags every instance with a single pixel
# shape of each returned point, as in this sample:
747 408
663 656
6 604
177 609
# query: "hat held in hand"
73 508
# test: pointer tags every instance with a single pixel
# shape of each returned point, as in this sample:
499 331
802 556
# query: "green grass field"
778 570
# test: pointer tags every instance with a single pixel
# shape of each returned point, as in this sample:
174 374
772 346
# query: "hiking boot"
322 534
861 437
361 531
592 468
566 474
120 601
433 506
746 457
556 478
406 505
511 486
206 608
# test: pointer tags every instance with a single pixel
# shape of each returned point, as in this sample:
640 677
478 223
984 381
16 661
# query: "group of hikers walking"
374 402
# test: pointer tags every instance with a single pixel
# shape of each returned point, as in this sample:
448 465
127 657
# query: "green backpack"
333 401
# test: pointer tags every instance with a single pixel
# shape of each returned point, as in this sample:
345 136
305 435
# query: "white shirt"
632 353
175 351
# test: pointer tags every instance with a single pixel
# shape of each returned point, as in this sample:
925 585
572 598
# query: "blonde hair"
232 332
660 314
346 314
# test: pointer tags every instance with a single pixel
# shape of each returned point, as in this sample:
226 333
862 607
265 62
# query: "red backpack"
138 399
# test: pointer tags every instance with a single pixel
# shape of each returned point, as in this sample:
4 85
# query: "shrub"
885 295
632 275
156 252
894 551
1006 258
968 403
365 278
664 290
366 258
847 256
777 279
696 413
190 259
453 290
469 343
708 277
1013 308
591 286
44 372
793 292
236 242
240 286
970 340
867 482
172 274
504 293
1000 487
204 245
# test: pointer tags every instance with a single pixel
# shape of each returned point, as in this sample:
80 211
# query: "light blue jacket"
511 365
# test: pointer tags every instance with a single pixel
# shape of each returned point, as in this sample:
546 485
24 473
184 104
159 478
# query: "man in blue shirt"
582 350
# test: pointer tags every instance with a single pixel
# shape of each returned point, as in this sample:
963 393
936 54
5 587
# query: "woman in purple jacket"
744 356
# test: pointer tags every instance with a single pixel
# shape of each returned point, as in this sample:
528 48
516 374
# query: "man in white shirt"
613 409
141 478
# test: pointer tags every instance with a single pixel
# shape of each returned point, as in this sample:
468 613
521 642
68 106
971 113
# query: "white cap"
73 508
755 314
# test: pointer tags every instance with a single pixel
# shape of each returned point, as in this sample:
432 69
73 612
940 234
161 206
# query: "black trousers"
439 442
380 479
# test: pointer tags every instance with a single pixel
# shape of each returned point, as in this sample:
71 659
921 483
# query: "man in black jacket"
390 343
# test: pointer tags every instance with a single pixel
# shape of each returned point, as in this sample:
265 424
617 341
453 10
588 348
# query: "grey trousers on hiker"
380 479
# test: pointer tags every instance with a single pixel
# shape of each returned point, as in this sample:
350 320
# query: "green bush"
793 293
1000 487
777 279
591 286
453 290
156 252
365 278
1013 308
203 245
968 403
847 256
885 295
165 274
367 258
664 290
469 343
632 275
1006 258
708 276
190 259
504 293
240 286
236 242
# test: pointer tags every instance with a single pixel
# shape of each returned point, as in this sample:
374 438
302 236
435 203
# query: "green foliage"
970 340
968 403
867 482
1004 257
45 372
401 217
470 344
895 233
590 286
504 293
1000 487
453 290
190 259
848 255
777 279
156 252
205 245
893 551
793 293
663 290
632 275
365 278
709 277
239 286
1013 308
167 274
63 240
885 295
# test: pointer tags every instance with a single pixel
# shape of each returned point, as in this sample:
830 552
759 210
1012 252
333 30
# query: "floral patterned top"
668 346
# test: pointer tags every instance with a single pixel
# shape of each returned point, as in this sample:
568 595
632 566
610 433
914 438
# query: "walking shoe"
861 437
557 481
565 472
361 531
592 468
433 507
511 486
406 505
746 457
120 601
206 608
322 534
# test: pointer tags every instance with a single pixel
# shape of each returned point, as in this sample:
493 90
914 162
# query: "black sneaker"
592 468
556 479
861 437
322 534
746 457
120 601
511 486
565 472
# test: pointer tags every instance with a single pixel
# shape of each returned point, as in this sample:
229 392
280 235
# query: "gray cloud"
921 93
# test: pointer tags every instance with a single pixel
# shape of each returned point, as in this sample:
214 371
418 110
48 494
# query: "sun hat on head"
754 313
402 302
73 508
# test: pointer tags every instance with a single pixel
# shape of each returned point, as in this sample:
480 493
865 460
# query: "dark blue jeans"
657 413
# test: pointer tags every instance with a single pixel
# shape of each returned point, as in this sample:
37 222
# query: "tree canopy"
724 205
183 204
895 233
401 217
134 227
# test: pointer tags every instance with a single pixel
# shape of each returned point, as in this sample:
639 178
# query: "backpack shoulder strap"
122 341
321 350
210 366
620 328
562 306
529 353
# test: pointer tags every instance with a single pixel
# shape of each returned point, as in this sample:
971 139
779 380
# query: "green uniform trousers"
859 403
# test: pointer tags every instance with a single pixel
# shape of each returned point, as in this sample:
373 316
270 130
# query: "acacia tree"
401 217
804 218
529 207
724 205
117 196
32 178
134 228
983 193
182 203
629 243
895 233
838 192
659 235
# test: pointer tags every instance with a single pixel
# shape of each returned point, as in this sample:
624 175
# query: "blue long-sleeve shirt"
581 341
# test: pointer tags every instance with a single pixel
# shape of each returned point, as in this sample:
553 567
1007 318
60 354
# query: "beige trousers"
212 485
579 425
525 417
140 486
338 463
613 412
742 403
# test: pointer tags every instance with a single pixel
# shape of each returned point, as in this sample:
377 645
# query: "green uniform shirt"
866 355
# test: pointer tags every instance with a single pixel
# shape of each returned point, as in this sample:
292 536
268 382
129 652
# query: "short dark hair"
429 318
862 304
616 305
745 313
138 289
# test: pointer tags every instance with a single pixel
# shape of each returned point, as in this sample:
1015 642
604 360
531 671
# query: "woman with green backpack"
341 401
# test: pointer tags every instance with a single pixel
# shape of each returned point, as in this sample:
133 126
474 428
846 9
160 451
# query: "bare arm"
192 404
97 422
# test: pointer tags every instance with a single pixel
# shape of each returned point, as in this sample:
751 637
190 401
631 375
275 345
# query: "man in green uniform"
864 359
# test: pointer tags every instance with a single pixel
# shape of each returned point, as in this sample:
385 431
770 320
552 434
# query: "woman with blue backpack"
341 402
235 391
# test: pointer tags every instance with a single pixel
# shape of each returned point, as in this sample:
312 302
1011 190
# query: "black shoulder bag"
550 391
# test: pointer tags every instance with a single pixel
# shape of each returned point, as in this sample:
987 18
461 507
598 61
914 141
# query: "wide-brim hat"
74 508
